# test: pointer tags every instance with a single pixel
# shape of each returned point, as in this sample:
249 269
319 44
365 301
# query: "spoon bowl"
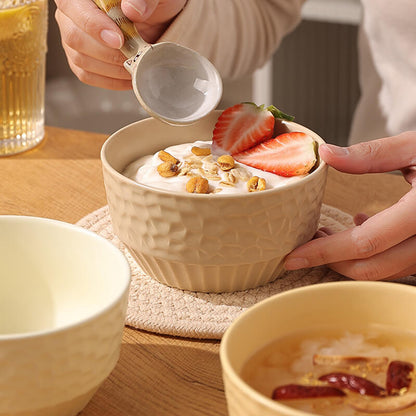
172 83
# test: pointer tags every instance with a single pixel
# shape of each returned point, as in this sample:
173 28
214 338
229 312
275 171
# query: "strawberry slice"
289 154
242 126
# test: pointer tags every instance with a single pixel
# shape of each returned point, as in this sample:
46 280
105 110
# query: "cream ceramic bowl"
353 306
63 296
208 243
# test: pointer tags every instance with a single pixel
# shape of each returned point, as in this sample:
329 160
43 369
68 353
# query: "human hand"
384 245
91 39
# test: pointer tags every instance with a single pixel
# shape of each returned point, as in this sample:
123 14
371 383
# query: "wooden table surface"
156 375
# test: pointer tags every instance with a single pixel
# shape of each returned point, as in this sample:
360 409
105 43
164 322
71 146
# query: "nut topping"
193 161
197 185
229 177
168 169
200 167
226 183
184 169
256 184
201 151
167 157
226 162
208 175
242 174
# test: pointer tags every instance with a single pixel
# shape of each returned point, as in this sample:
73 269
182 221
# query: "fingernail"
336 150
112 39
320 234
139 5
296 263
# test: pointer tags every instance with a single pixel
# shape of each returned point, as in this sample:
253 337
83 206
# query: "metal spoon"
173 83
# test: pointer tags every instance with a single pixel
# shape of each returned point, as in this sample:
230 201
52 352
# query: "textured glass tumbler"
23 29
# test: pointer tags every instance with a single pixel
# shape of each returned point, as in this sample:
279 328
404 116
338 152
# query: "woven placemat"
157 308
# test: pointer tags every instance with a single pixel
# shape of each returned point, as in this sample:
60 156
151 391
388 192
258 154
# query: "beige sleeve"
238 36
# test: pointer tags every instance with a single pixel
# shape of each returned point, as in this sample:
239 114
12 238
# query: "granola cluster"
201 167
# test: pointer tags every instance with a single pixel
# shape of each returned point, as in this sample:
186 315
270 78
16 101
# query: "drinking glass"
23 29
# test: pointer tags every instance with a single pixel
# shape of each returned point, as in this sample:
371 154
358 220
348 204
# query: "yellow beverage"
23 28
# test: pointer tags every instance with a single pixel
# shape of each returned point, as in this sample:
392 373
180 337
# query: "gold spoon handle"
133 42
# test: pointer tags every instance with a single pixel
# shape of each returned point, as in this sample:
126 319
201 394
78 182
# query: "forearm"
238 36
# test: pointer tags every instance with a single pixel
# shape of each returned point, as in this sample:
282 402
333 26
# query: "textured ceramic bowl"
353 306
209 243
63 296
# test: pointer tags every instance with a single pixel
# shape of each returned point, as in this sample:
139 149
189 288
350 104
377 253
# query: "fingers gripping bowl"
210 242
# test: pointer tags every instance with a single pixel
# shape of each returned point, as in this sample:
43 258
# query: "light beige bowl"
209 243
63 296
353 306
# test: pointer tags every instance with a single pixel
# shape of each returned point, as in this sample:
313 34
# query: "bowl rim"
125 273
130 182
228 369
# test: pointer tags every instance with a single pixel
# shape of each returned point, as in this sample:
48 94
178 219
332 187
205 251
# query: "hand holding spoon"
173 83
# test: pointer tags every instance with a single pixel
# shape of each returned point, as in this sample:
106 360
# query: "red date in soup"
399 376
298 391
353 383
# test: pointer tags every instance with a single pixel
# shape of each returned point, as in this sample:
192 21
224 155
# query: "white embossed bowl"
209 243
63 297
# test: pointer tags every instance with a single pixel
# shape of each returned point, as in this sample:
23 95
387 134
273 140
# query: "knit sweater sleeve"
238 36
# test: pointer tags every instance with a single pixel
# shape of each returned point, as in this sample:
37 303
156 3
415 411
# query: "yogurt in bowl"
196 160
215 242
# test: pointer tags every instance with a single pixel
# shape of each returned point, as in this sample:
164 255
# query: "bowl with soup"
340 348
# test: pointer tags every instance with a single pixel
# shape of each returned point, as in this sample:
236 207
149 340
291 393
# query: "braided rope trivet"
155 307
